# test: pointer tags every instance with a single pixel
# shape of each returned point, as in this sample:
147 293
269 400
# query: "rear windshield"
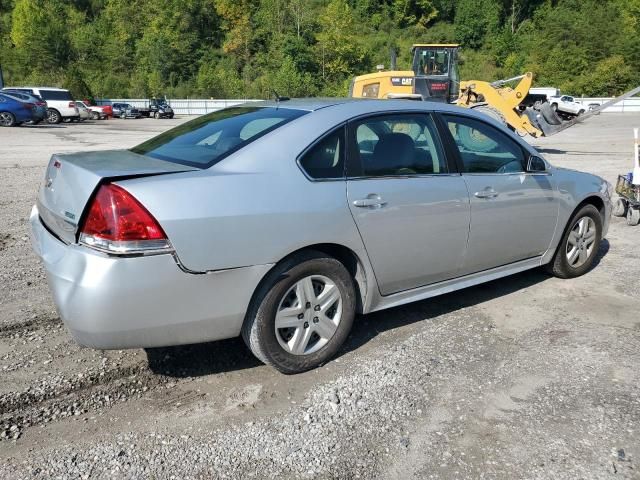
56 95
206 140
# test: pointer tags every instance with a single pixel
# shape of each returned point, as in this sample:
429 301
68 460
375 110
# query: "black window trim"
351 168
452 147
334 129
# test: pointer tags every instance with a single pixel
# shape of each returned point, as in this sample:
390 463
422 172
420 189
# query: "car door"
513 212
410 206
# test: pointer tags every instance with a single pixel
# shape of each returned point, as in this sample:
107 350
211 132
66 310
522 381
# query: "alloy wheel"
6 119
308 315
581 242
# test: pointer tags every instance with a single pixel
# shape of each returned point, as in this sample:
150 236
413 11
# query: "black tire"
258 330
7 119
53 116
559 265
633 216
580 113
171 115
95 116
620 208
550 114
156 115
554 107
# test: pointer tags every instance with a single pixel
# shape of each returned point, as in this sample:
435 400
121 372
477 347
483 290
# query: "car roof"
359 104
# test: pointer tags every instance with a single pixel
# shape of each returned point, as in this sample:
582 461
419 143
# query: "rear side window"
483 148
206 140
325 159
56 95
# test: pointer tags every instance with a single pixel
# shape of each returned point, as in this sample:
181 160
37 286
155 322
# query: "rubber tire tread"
559 266
258 330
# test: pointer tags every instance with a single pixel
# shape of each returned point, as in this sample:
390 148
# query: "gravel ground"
524 377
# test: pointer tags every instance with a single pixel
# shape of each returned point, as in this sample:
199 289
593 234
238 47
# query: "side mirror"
536 165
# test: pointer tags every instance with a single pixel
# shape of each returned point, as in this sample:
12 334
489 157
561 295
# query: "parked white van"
548 91
60 103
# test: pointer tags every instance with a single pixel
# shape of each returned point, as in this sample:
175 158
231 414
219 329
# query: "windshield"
431 61
206 140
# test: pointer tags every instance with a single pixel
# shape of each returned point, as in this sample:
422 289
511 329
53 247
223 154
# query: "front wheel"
302 313
579 245
620 208
95 116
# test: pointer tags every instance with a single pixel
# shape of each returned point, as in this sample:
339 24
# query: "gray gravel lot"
524 377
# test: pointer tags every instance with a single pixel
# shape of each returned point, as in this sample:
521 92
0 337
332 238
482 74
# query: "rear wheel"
156 115
633 216
95 116
302 314
7 119
53 116
579 245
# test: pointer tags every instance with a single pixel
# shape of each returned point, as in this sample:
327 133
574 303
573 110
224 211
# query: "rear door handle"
372 201
486 193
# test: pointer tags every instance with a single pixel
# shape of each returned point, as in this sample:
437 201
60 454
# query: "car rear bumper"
112 302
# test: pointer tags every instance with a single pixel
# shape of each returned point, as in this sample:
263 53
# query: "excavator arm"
502 98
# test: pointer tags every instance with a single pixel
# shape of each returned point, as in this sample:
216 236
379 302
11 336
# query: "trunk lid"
71 179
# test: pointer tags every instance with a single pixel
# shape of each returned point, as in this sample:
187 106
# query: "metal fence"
197 106
181 106
624 106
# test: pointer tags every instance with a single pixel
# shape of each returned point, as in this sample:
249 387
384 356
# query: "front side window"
325 160
206 140
397 145
483 148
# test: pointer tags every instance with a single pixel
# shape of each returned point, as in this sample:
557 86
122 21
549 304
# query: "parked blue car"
39 109
13 112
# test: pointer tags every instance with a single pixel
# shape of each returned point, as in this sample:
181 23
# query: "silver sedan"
280 221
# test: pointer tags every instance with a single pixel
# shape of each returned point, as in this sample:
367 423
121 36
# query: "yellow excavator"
434 77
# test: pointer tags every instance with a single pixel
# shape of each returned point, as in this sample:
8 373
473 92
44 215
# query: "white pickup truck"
567 104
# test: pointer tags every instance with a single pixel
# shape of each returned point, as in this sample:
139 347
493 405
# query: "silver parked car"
281 221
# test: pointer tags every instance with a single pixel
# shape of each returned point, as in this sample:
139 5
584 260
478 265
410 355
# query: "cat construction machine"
434 77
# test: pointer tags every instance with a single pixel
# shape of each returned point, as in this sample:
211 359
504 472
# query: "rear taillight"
28 106
117 223
72 105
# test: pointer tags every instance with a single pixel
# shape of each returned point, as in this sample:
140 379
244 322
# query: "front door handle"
372 201
486 193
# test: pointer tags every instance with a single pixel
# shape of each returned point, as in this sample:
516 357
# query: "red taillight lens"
72 105
118 223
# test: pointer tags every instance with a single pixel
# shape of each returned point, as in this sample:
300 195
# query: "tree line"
251 48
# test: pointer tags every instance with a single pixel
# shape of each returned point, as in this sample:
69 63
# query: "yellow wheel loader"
434 77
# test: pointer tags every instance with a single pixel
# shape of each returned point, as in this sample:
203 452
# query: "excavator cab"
435 67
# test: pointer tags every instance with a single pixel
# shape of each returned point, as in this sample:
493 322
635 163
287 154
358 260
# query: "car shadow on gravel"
201 359
232 354
367 327
557 151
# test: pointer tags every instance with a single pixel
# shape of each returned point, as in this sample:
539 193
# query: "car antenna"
279 98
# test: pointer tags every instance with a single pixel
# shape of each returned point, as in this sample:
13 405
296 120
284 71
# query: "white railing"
624 106
197 106
181 106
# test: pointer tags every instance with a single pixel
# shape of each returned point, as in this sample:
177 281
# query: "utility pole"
1 78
